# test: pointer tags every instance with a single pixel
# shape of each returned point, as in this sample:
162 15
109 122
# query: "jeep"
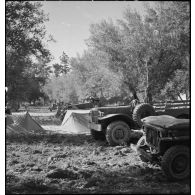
166 142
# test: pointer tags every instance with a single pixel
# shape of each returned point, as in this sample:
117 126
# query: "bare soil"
57 163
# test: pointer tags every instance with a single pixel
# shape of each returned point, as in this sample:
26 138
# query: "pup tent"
22 124
76 121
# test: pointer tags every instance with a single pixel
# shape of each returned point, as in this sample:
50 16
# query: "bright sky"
70 20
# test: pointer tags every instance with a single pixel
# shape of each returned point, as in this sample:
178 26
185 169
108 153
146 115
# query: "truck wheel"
97 135
117 133
141 111
176 162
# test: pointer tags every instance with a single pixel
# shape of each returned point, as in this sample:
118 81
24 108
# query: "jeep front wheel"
117 133
97 135
176 163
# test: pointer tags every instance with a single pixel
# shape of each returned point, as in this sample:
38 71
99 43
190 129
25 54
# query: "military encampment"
97 97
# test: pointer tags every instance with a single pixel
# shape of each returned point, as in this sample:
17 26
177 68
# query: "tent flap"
76 121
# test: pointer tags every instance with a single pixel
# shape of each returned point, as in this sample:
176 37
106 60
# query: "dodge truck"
116 123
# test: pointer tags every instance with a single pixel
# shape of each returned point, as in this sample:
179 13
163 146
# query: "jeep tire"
97 135
141 111
176 162
117 133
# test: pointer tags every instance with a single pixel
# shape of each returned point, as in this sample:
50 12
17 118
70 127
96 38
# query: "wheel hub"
119 134
179 164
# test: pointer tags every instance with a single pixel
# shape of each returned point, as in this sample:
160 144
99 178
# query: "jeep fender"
106 120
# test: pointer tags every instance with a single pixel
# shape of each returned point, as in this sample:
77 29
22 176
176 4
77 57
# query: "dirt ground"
57 163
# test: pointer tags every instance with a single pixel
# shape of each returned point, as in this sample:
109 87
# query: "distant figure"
135 100
94 99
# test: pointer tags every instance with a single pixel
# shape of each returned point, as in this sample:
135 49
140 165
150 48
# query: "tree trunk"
148 95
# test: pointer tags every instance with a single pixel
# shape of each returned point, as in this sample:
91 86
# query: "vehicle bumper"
142 151
94 126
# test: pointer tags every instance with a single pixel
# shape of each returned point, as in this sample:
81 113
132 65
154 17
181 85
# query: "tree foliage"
63 67
145 54
26 54
144 49
177 86
94 75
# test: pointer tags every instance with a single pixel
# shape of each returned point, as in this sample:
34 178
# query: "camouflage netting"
22 125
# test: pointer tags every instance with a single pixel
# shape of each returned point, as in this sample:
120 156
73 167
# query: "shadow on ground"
50 137
126 179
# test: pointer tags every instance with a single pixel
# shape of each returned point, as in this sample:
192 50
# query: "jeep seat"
166 122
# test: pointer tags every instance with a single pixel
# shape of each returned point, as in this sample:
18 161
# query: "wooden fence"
171 105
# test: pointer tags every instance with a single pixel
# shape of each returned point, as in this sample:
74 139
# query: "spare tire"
141 111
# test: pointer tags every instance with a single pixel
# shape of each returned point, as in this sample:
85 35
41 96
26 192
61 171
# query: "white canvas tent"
76 121
23 124
16 129
28 123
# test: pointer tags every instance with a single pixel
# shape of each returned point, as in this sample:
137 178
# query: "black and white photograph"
97 97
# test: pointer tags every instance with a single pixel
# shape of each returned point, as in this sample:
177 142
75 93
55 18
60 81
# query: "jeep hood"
166 122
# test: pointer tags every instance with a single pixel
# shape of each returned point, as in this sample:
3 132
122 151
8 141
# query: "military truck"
116 123
166 141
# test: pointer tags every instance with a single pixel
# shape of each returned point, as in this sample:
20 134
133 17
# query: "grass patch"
54 163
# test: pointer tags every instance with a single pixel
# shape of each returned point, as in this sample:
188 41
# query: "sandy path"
36 114
60 129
